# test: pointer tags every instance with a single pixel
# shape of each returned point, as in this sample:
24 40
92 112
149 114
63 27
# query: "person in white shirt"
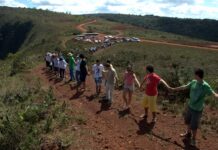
48 60
62 67
111 79
56 62
97 70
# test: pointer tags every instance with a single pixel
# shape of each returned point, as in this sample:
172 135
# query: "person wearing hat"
129 85
71 66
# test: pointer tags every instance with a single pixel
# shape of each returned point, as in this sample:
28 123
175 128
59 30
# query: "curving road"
81 27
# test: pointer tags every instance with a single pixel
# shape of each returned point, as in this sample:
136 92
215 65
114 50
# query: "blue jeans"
72 76
78 76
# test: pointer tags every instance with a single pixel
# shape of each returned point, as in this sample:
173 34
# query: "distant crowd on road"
106 75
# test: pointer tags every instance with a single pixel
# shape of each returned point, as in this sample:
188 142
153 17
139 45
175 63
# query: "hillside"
21 29
38 110
205 29
33 30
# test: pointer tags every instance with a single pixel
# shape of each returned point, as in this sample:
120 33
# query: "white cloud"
173 8
139 8
199 1
196 11
11 3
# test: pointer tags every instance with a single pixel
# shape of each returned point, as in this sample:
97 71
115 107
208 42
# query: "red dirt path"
82 28
111 130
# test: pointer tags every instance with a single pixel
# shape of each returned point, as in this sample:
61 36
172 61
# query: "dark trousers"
62 73
47 63
77 75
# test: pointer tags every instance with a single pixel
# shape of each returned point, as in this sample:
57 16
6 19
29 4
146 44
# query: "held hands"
171 89
216 95
141 88
138 85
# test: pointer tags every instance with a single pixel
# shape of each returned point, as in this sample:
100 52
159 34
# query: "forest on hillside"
33 29
205 29
12 37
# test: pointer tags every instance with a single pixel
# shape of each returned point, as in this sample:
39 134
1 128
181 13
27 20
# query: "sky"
172 8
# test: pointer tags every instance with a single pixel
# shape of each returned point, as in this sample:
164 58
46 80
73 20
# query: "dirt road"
114 129
81 27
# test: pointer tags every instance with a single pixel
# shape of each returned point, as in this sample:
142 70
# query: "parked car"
134 39
126 39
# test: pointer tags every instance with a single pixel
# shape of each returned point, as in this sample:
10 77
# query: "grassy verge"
32 118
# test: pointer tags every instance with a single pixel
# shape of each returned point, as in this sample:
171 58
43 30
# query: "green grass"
111 28
103 26
29 113
161 56
174 64
162 36
49 33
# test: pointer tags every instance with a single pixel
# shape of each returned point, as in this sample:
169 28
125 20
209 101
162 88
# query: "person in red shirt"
151 82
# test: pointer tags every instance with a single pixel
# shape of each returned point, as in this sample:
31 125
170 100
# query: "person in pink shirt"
151 82
129 86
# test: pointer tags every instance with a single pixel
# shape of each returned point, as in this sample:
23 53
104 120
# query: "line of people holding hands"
105 74
198 89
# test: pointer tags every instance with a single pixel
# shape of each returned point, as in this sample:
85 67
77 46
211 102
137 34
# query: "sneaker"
186 135
193 142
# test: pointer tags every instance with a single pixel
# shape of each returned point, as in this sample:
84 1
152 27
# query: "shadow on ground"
105 106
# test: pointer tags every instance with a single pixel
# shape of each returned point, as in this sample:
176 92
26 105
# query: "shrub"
49 98
10 136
